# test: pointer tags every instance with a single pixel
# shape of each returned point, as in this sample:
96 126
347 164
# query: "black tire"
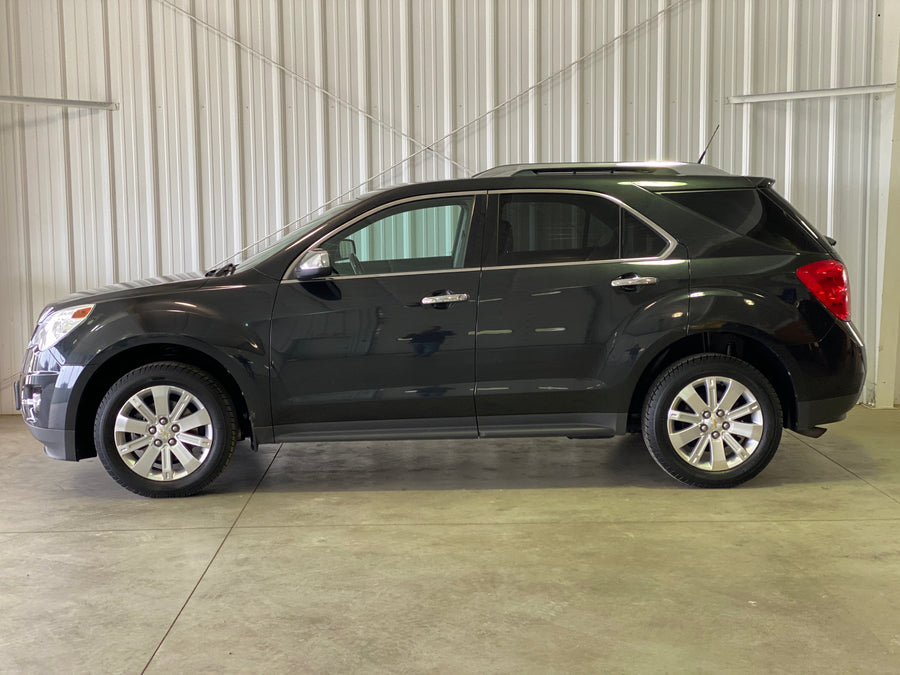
182 461
717 451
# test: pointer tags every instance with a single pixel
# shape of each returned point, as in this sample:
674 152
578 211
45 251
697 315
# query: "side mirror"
314 263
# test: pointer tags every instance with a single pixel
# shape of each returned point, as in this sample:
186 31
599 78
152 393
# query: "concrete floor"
481 557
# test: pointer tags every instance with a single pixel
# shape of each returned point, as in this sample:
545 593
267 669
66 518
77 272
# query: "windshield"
285 240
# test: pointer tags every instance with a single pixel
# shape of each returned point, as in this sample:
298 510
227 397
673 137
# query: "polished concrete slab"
529 556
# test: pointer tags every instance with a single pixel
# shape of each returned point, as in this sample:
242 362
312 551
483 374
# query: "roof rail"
654 167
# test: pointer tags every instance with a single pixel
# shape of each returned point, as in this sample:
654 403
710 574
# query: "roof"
652 167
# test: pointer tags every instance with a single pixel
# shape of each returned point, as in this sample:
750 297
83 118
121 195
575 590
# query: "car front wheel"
712 421
165 429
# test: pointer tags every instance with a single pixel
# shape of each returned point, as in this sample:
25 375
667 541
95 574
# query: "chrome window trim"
584 262
672 243
348 277
288 276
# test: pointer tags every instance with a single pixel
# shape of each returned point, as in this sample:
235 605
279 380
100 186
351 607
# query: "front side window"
419 236
553 228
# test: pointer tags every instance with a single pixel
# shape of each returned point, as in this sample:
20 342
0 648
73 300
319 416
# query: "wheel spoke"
144 465
197 419
743 411
732 394
681 438
738 449
717 461
699 449
188 461
142 408
133 446
753 431
183 400
166 463
712 396
681 416
131 425
191 439
161 400
690 396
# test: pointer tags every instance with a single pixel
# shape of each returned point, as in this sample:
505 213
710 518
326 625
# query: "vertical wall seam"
618 83
15 47
705 76
832 123
662 80
239 122
110 119
791 70
156 225
747 110
67 151
200 222
282 142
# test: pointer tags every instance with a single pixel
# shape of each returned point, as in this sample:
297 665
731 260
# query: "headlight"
54 326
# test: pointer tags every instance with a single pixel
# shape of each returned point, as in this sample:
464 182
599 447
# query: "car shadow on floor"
502 464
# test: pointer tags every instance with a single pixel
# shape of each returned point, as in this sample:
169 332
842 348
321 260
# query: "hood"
177 282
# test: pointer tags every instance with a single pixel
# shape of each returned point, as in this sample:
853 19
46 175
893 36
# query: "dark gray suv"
696 307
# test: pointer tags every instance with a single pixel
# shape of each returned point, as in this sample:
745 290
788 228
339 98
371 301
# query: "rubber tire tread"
229 433
655 415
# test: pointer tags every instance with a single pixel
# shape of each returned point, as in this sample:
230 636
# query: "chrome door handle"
444 299
632 281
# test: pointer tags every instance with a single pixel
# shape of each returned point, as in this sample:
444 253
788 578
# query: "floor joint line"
850 471
211 561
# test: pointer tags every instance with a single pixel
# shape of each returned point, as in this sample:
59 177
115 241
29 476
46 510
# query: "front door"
384 347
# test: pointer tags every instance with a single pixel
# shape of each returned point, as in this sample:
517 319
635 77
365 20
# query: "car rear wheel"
712 421
165 429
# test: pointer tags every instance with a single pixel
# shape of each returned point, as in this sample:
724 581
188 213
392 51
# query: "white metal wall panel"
236 118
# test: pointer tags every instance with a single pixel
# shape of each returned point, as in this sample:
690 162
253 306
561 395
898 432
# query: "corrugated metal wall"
236 118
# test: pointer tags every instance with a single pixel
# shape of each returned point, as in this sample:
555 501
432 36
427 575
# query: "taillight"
827 280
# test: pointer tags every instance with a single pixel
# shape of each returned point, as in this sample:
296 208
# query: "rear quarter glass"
757 214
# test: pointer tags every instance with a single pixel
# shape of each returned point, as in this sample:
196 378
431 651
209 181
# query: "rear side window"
638 240
749 213
549 228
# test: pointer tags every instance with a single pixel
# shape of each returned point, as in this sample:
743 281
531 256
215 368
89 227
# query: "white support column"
889 328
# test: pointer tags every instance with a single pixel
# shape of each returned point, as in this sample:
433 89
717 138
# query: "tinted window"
547 228
638 240
749 213
424 235
556 228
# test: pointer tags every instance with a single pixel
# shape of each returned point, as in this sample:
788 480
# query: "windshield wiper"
222 271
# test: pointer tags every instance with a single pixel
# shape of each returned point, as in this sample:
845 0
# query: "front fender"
230 329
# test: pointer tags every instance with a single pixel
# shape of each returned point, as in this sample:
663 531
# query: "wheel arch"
118 364
753 351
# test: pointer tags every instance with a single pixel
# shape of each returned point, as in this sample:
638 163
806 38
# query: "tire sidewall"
185 378
681 374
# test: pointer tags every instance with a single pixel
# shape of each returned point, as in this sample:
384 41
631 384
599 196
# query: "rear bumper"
824 411
840 371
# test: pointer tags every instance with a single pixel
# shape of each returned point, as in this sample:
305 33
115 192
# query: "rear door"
385 346
576 292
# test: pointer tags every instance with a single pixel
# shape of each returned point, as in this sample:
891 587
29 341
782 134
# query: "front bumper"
58 443
43 394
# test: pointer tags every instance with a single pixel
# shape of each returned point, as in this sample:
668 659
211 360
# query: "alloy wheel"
715 423
163 433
